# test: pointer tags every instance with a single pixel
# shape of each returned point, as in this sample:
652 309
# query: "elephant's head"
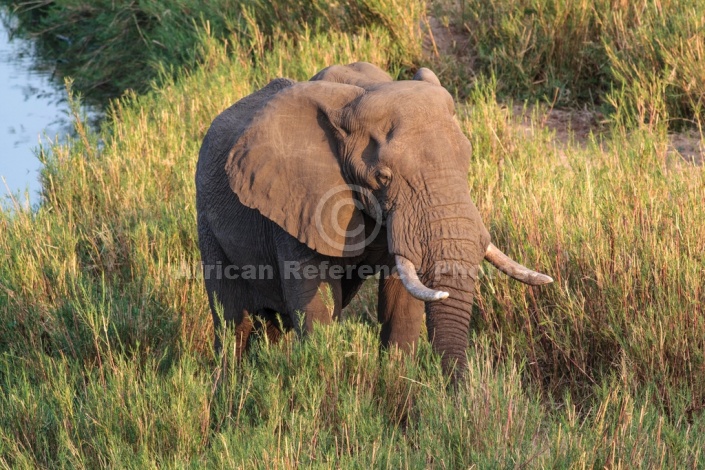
352 147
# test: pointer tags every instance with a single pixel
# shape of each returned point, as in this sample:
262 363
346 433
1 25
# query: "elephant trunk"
448 323
451 265
442 238
444 242
448 306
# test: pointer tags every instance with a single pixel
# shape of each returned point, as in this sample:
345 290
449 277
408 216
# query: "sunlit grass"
105 338
619 226
639 59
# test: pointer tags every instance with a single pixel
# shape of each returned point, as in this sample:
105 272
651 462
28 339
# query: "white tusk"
407 273
510 267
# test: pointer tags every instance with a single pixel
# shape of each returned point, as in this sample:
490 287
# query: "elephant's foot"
270 326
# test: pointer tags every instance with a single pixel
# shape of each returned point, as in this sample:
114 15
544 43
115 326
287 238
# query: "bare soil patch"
568 126
446 40
689 145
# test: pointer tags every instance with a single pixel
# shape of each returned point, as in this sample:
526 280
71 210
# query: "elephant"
316 186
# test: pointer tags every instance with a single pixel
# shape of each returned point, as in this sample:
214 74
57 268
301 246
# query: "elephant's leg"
315 299
225 294
242 331
269 324
400 314
311 295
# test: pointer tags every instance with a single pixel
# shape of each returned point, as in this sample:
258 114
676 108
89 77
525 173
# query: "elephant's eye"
383 176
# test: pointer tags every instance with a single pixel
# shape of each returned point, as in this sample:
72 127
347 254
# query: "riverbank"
105 346
109 47
36 112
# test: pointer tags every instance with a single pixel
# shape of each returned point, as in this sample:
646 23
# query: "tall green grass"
576 52
105 344
619 224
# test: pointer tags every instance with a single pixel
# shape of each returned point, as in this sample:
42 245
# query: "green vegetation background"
105 334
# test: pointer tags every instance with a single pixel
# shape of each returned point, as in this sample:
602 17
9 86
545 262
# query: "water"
33 111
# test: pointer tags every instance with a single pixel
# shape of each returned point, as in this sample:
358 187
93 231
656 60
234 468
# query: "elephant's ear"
427 75
285 165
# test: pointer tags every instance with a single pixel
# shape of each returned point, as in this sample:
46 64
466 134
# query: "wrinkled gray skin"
268 160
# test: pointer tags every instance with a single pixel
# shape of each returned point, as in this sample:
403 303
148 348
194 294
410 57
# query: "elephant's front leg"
400 314
311 295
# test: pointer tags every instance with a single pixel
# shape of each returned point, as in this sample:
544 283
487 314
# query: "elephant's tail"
510 267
